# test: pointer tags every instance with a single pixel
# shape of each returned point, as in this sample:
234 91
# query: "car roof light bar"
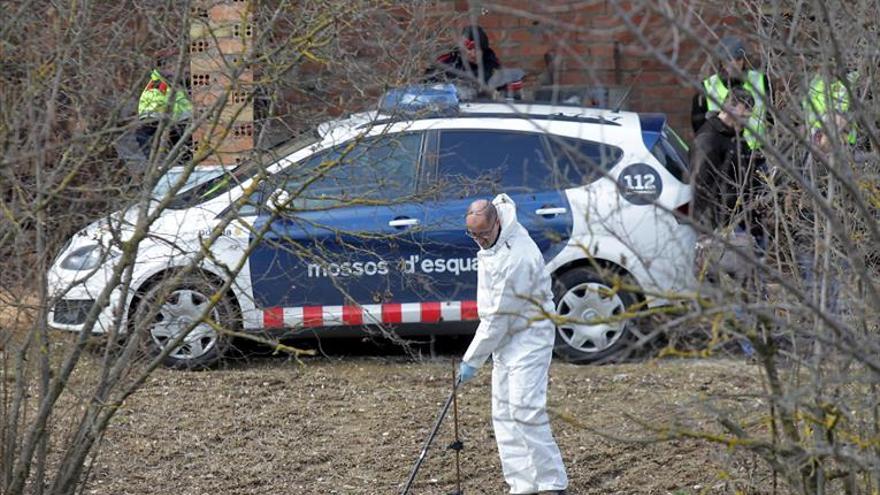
416 101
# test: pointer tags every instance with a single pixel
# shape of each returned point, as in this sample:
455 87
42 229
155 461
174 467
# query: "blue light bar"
421 99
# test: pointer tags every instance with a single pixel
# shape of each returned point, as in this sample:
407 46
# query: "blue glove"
465 372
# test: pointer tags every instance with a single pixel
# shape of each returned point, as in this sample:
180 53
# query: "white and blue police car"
362 225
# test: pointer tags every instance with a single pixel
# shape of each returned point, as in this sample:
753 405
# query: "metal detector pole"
428 441
456 444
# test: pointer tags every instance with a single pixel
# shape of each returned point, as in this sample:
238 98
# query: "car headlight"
61 251
84 258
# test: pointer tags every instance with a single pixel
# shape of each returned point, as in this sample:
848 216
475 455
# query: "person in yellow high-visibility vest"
155 104
828 103
827 113
734 73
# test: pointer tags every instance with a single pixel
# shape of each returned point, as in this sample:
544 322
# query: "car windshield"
199 175
212 187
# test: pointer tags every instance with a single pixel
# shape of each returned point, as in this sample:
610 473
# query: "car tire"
581 295
184 303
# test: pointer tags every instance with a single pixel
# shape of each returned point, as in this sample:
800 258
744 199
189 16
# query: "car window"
474 162
579 162
220 184
670 152
199 175
381 168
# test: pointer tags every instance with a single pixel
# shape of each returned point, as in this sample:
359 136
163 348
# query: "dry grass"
355 426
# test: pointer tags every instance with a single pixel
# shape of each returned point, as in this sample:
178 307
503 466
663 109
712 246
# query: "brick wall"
591 45
594 48
221 33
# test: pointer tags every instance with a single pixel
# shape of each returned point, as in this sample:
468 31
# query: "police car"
362 226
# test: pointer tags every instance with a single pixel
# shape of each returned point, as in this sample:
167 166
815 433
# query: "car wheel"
164 312
592 327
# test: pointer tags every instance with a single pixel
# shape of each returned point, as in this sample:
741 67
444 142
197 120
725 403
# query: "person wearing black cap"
734 73
472 61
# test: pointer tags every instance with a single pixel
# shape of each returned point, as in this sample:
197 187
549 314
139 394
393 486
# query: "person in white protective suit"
513 291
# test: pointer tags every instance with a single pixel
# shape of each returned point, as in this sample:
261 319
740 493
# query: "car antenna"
623 98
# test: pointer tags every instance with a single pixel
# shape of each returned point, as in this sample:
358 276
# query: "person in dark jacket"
472 61
734 73
725 184
723 176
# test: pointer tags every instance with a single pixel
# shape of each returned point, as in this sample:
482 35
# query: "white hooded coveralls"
512 288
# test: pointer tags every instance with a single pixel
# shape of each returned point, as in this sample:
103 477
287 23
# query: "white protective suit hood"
506 209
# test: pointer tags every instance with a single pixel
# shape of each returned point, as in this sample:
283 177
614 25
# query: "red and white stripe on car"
369 314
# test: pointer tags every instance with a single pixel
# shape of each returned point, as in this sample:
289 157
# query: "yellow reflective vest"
822 97
755 82
153 102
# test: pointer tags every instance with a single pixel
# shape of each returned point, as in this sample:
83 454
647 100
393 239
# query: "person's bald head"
482 222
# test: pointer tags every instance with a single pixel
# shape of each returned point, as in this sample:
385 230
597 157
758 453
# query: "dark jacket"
452 65
721 173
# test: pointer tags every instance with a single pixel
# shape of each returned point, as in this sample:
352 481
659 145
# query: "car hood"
120 226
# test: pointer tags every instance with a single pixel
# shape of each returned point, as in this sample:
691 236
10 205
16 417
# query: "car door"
339 227
476 163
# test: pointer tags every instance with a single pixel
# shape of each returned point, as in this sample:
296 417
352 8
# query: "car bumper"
73 301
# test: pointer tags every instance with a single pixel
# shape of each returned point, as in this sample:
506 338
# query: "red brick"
239 112
204 63
230 45
532 63
491 23
595 7
200 133
660 93
601 50
518 5
587 77
532 49
642 61
236 144
658 78
527 35
205 97
605 22
629 62
665 106
625 37
595 63
222 80
224 12
592 36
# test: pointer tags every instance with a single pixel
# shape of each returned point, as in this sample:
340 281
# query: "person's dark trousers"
149 129
175 134
144 136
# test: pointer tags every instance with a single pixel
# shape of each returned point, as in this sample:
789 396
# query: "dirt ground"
344 424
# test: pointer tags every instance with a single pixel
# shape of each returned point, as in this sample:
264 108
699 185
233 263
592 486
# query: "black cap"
731 47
